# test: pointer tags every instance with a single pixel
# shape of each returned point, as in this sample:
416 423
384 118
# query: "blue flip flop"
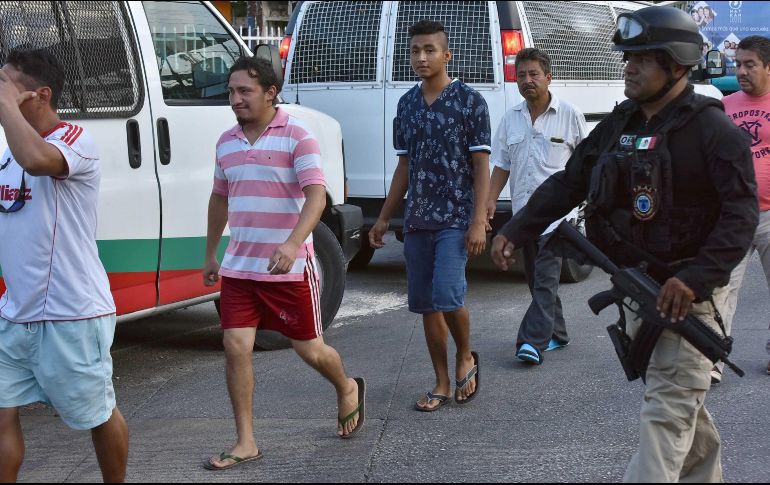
529 354
555 344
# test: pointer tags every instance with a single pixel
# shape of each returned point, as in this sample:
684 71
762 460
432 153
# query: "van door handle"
395 131
134 144
164 142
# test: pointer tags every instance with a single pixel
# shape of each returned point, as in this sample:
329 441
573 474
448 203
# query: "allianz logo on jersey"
11 194
8 194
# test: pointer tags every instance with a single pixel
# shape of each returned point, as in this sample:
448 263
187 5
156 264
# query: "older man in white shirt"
534 140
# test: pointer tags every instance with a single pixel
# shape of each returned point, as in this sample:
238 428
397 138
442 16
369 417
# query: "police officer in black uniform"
669 180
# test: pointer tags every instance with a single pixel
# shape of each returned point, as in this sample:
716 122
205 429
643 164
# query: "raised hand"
10 94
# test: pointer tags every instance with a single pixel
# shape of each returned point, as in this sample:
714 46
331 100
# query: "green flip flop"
359 410
237 460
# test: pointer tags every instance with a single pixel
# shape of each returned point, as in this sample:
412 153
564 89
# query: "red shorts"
292 308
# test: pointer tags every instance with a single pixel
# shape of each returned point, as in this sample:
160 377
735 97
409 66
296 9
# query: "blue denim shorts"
66 365
435 270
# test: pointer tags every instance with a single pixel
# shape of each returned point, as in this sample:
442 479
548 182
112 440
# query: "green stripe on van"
141 255
129 255
181 253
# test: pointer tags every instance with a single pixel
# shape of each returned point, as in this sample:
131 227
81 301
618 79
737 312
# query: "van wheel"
573 272
363 256
330 263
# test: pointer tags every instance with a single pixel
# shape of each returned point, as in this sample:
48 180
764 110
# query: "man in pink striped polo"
269 186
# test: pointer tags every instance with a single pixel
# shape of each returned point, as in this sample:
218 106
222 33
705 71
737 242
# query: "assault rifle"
635 284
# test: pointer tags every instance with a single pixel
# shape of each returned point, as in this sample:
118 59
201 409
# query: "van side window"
93 44
194 52
578 37
467 24
337 42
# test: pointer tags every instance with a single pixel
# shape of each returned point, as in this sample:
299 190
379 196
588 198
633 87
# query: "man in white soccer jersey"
57 316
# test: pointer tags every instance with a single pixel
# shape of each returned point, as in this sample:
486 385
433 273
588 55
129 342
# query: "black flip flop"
465 380
360 409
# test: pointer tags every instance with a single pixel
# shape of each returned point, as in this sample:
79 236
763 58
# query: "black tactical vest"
631 193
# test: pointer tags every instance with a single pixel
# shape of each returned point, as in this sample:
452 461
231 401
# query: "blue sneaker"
555 344
529 354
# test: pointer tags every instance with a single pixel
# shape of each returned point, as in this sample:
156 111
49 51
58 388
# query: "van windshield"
194 50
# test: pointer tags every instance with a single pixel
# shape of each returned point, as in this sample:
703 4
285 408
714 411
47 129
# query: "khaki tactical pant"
677 438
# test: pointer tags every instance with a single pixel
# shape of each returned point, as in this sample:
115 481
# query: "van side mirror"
272 54
716 64
713 66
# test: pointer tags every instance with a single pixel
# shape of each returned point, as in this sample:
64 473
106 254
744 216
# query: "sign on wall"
724 24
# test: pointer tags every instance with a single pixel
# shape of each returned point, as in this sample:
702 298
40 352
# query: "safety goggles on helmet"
665 29
633 30
630 31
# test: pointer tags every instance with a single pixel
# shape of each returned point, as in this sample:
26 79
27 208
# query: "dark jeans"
544 318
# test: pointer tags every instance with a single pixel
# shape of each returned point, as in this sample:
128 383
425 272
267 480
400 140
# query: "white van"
351 60
148 81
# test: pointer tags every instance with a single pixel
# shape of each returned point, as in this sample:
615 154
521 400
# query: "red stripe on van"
181 285
134 292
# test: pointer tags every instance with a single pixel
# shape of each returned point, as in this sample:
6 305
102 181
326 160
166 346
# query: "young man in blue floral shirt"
443 143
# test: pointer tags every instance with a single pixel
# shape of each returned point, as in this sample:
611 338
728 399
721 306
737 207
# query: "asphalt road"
572 419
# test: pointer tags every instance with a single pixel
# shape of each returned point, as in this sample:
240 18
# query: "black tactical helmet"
660 28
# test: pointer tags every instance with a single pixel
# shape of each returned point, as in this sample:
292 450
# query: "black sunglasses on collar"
20 197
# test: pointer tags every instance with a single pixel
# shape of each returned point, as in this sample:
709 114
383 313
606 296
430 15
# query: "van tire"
364 255
331 266
573 272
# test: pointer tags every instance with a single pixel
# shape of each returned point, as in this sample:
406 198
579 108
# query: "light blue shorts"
66 365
